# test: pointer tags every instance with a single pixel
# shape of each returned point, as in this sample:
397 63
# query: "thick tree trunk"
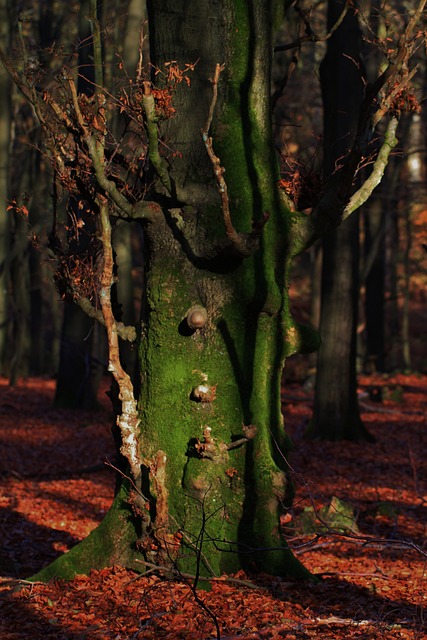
212 435
206 446
203 391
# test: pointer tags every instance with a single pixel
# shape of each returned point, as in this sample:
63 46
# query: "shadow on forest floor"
374 590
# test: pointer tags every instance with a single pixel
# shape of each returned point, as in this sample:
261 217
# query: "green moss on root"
112 542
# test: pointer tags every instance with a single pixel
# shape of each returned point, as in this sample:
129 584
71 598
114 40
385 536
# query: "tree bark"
211 430
80 369
336 413
374 220
206 445
4 188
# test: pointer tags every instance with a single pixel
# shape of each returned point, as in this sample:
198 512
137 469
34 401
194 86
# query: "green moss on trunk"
223 503
212 435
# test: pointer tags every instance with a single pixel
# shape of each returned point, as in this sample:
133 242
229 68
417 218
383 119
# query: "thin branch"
128 420
125 332
244 243
97 46
166 571
107 463
140 67
60 113
388 100
237 443
158 162
310 36
216 163
380 164
285 79
367 540
218 70
109 186
33 98
249 432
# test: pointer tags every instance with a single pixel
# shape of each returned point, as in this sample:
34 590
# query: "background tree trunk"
81 351
5 117
336 412
374 225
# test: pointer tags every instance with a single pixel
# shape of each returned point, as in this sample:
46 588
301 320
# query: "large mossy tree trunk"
202 391
212 434
206 445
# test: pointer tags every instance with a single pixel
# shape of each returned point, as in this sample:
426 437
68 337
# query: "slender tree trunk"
20 278
128 237
336 413
416 195
42 292
79 370
316 261
374 221
76 386
392 279
406 337
4 188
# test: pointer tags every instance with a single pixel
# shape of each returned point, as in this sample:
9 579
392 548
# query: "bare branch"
30 93
125 332
216 163
285 79
128 420
244 243
60 113
97 46
158 162
310 36
385 95
387 102
109 186
365 191
396 75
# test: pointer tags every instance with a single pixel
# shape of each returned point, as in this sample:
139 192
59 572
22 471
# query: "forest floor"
359 523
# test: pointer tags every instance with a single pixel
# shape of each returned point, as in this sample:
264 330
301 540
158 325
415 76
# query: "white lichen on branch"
128 420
